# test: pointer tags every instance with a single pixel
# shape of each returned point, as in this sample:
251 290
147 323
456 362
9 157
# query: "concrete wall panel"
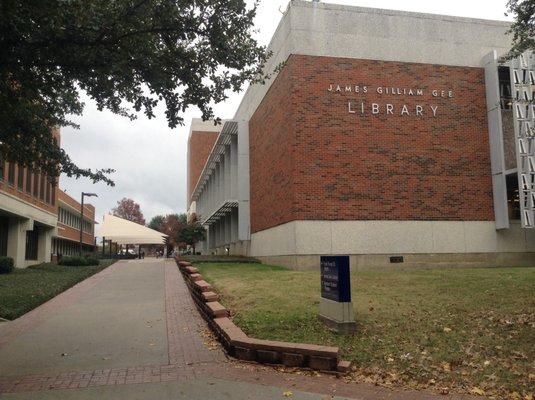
389 237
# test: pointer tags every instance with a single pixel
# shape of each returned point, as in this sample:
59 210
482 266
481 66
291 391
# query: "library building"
397 138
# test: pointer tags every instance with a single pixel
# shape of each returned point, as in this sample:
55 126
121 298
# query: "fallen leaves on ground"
477 391
209 339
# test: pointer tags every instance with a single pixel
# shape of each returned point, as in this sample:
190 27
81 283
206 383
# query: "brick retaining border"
239 345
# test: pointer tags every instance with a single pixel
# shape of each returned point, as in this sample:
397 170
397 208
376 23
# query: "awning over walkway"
123 231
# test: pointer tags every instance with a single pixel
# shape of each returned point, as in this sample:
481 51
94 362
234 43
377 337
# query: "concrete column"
243 181
222 168
16 240
212 237
207 244
234 228
228 226
216 234
227 173
234 168
216 185
44 244
220 232
213 185
206 196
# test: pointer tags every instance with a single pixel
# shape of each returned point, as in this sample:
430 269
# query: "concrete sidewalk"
132 332
118 323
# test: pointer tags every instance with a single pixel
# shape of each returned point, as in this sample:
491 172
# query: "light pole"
82 218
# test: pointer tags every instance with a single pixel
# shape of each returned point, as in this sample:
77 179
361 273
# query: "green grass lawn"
463 329
24 289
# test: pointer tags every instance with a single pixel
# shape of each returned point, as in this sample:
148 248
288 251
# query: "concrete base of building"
240 248
364 262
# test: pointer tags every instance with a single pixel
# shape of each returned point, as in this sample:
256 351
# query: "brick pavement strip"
189 356
186 346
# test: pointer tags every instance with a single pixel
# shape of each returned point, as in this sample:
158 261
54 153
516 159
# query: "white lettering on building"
362 107
418 110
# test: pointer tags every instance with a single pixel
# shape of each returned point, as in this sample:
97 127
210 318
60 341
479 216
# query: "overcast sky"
150 158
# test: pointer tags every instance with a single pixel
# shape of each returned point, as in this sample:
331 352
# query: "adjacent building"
67 240
37 219
28 214
388 136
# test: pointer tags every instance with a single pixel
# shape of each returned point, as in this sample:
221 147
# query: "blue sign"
335 283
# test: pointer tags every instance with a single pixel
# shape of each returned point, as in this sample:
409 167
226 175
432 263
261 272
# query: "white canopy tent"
122 231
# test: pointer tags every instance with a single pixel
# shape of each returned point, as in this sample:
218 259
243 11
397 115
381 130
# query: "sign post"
336 308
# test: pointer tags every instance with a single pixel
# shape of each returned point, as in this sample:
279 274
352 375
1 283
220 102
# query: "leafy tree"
127 55
191 233
523 27
157 222
130 210
170 224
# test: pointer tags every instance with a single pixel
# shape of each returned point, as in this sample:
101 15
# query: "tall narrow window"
32 240
513 202
42 187
28 180
2 165
36 176
53 194
20 177
11 173
48 185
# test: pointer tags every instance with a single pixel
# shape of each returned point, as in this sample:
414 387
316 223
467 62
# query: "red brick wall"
313 160
30 196
23 194
271 152
200 144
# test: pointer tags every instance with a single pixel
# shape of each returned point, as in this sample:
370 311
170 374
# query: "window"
29 180
504 78
2 163
513 200
20 177
36 176
32 240
53 195
42 180
48 185
11 173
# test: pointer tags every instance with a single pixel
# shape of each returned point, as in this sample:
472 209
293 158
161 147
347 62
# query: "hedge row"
76 261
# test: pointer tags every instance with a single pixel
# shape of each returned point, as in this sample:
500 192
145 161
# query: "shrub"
91 261
6 265
76 261
73 261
